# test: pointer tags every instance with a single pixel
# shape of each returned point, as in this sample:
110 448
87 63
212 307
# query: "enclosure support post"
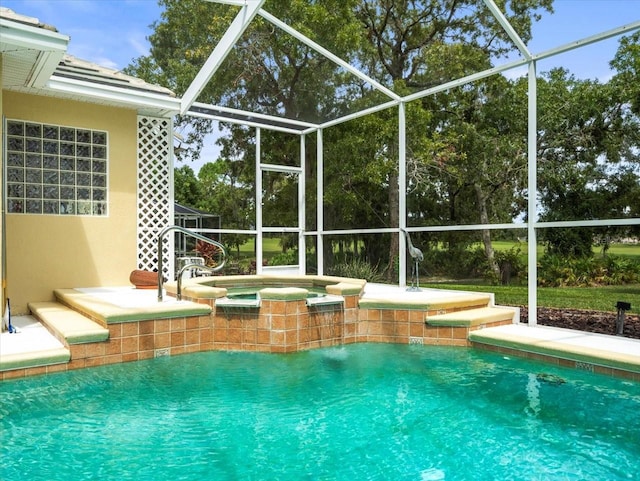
402 194
258 205
532 190
302 255
319 205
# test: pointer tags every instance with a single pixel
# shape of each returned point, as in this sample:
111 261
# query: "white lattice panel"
155 193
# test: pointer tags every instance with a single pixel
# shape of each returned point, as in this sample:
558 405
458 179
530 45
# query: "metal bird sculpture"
417 256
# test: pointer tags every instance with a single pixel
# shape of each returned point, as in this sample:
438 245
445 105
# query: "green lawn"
627 250
589 298
270 248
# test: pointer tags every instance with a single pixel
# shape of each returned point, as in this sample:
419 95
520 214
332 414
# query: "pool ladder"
161 236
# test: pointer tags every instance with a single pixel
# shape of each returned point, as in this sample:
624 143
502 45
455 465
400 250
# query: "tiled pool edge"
139 340
586 351
281 326
559 361
289 325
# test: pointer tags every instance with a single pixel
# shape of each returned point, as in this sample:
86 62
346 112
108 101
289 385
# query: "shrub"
287 258
472 263
560 271
511 264
357 269
209 252
451 263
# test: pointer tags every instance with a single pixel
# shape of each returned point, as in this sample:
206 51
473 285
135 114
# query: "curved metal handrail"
193 265
178 228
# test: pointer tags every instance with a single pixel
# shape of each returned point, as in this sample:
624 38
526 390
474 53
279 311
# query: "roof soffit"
31 51
35 62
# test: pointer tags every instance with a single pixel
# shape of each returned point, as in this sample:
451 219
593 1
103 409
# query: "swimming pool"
363 411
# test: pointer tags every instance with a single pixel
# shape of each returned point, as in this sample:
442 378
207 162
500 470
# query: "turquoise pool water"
362 412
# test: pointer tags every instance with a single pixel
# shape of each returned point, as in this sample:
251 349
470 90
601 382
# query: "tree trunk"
486 233
329 260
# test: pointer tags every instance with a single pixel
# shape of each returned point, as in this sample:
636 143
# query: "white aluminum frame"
250 8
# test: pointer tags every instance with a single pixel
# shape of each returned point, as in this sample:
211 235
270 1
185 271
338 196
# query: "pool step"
69 326
473 317
32 347
115 305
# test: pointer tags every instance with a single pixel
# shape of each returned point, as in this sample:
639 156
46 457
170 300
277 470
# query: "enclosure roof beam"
266 117
247 123
465 80
224 114
285 169
424 93
247 12
360 113
506 25
630 27
492 71
238 116
326 53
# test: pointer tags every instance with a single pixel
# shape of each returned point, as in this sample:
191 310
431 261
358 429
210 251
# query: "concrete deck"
32 336
585 349
124 304
32 346
373 291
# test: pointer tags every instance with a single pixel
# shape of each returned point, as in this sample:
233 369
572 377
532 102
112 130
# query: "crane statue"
417 256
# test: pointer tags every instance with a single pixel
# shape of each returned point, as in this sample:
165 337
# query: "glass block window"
53 169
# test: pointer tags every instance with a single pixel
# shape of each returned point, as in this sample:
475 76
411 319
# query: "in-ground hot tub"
283 317
215 287
282 314
241 298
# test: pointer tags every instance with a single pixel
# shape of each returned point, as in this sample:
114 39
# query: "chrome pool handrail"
178 228
193 265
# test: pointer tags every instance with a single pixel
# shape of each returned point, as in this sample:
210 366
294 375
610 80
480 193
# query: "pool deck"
32 341
537 342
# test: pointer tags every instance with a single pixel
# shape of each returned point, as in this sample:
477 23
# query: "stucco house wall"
59 228
52 251
2 207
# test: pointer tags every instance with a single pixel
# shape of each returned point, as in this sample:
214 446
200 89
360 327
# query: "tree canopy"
466 148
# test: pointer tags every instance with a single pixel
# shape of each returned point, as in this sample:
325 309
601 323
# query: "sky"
112 33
